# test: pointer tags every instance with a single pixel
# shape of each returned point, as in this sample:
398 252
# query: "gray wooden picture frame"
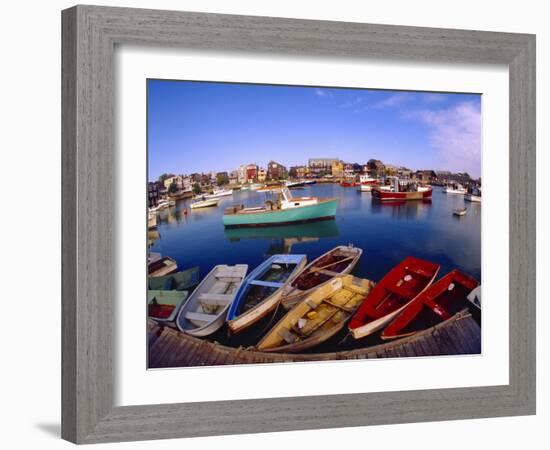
90 34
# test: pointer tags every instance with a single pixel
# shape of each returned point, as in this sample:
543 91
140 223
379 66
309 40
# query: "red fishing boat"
392 294
402 190
348 184
439 302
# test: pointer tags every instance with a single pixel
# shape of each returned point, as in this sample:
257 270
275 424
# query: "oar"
317 269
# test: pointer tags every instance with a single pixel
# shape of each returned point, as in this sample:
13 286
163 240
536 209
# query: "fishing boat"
348 184
205 310
294 184
366 183
261 291
392 294
162 266
460 211
163 306
310 181
204 203
318 317
177 281
336 262
217 193
472 198
438 303
399 191
163 204
455 189
286 209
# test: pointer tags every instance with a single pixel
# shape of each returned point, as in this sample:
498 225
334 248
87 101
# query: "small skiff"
205 203
178 281
164 305
438 303
339 261
460 211
317 317
163 266
261 292
392 294
206 309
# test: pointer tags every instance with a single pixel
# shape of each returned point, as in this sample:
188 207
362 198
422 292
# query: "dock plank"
171 348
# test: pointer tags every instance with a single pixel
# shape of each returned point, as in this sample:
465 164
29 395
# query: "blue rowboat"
261 291
286 210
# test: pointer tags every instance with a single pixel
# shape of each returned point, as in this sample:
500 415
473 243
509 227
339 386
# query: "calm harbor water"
387 233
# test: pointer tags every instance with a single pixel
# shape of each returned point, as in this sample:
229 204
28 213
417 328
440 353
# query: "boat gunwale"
265 303
303 293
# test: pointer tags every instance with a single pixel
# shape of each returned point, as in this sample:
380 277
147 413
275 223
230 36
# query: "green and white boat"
283 211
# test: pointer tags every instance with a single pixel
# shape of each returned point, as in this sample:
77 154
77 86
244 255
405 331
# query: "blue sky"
202 127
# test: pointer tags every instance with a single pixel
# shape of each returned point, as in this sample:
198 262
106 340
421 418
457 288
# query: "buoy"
185 211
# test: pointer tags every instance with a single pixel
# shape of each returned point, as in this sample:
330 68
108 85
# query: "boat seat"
199 319
227 273
267 284
215 299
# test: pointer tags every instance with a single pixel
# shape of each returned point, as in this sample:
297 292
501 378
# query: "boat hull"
392 294
319 211
472 198
238 322
292 295
386 195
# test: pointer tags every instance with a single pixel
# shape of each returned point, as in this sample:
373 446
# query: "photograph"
311 223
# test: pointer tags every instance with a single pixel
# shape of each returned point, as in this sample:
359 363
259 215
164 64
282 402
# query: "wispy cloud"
322 92
433 98
455 135
356 101
393 101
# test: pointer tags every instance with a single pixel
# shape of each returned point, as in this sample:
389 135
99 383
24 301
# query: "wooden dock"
460 335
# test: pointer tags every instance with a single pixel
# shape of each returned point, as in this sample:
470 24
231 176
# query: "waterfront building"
276 171
262 175
241 174
153 193
337 169
403 172
176 179
234 177
425 175
251 172
321 166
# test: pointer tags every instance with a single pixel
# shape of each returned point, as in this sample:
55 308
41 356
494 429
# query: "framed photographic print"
309 211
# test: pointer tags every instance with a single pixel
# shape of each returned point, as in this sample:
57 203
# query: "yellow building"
337 169
262 174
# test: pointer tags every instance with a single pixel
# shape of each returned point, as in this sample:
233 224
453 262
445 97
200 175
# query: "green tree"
173 188
196 188
222 178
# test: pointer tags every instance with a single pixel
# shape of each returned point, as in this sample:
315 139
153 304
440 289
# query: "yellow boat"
318 317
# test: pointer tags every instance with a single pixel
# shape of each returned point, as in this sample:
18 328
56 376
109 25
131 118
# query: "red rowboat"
348 184
439 302
392 294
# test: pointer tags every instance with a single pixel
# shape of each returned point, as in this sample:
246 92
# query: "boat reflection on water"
402 209
284 237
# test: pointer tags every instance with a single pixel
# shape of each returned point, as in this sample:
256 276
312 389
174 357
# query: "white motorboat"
219 193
